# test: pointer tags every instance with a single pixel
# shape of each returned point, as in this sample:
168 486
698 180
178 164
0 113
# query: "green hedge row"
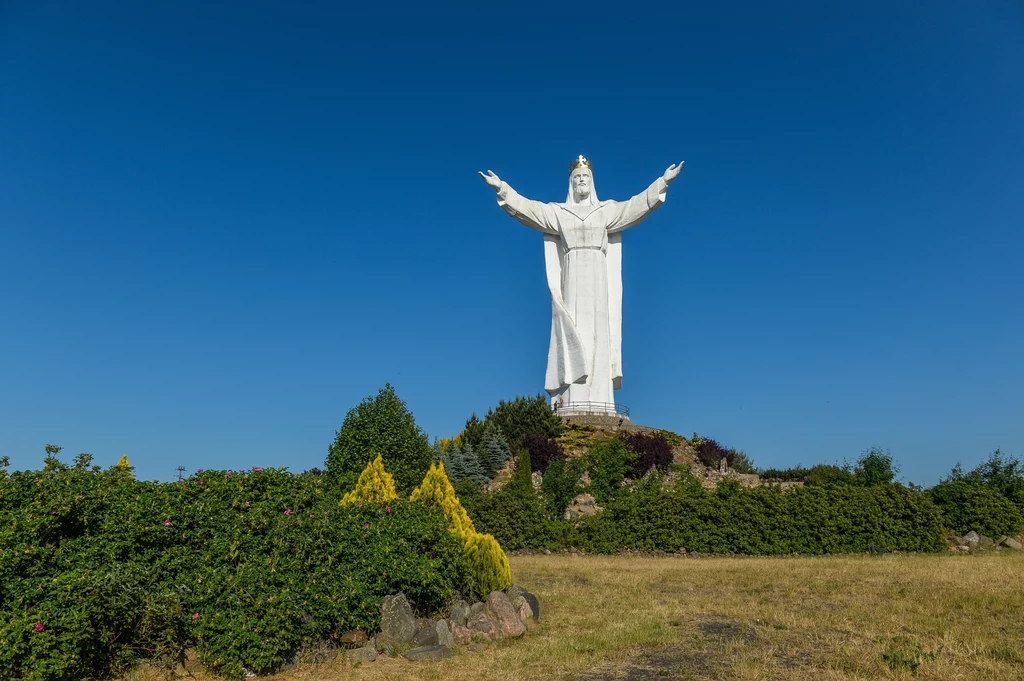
765 521
98 570
966 506
652 516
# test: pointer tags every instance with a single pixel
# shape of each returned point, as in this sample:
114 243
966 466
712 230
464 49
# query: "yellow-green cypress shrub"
488 563
375 485
436 491
484 554
124 467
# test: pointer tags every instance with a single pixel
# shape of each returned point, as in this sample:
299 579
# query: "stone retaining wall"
611 422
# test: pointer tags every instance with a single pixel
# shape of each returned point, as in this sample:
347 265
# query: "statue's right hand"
492 180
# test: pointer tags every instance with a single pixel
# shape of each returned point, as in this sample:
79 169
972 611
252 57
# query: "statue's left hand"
672 172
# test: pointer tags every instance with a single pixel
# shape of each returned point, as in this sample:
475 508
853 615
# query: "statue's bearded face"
582 182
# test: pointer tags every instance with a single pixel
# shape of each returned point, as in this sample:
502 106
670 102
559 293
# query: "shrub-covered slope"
98 570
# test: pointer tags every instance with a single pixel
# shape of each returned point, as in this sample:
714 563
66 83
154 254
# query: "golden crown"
580 162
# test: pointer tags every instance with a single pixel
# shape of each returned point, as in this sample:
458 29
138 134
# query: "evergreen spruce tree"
474 431
464 464
438 454
496 450
472 467
455 464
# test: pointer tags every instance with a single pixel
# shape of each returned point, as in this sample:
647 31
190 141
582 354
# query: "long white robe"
583 259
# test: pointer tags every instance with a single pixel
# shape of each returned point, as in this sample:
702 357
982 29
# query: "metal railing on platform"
590 408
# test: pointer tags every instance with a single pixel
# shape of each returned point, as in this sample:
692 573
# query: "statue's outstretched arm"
533 214
633 212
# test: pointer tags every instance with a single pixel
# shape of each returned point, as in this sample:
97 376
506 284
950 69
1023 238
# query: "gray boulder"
362 655
459 613
514 591
426 634
1012 543
476 608
522 608
582 505
427 653
397 625
461 635
499 607
538 480
976 541
444 633
482 627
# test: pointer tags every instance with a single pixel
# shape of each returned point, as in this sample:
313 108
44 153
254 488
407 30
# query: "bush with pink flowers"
99 570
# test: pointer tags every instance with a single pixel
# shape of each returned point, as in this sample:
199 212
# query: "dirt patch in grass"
668 663
726 629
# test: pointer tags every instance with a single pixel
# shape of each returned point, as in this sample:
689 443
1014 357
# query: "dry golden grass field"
949 617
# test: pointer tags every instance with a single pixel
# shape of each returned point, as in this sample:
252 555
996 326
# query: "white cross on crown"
580 162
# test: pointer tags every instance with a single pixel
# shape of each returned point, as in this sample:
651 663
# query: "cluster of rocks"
710 476
582 505
504 615
973 541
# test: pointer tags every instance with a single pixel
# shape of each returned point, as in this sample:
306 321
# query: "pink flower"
310 515
288 511
185 487
167 523
199 471
366 524
246 504
257 469
360 505
228 474
200 482
39 626
388 509
195 615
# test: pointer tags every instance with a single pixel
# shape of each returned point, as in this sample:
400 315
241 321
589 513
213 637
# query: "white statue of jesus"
583 258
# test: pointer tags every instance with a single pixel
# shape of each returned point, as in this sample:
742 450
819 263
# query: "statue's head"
581 181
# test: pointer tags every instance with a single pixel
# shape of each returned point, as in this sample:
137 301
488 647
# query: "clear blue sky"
223 224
